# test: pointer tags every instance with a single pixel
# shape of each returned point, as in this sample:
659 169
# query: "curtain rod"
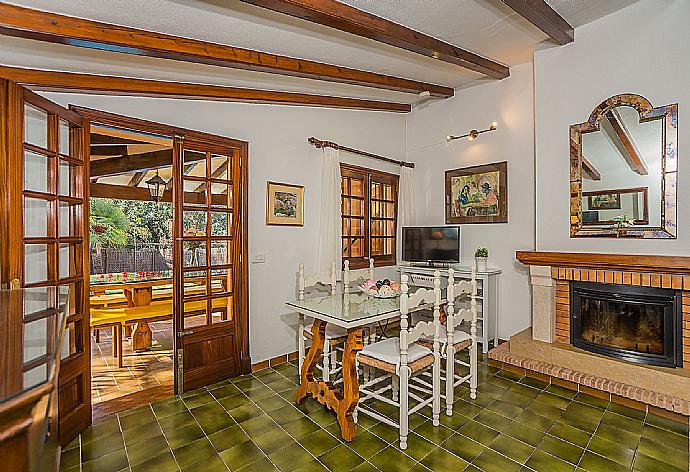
321 144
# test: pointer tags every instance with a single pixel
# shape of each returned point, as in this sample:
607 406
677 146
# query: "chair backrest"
453 319
327 280
421 328
356 276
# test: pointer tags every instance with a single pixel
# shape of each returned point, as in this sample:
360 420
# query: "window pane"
64 137
221 280
67 219
35 334
357 227
194 223
220 167
36 217
222 309
35 263
36 172
67 175
220 223
194 253
357 248
195 313
221 195
35 126
194 283
72 342
198 160
376 247
194 193
357 188
221 252
357 207
69 259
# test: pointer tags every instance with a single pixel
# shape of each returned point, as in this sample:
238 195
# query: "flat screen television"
431 244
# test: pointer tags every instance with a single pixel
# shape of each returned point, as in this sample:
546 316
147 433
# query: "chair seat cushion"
332 332
388 351
458 336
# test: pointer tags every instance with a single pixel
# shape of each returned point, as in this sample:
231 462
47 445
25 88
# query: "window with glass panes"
369 214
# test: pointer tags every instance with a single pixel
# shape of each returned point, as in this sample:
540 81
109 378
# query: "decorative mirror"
623 170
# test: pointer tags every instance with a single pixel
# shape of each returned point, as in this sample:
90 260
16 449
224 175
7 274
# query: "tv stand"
487 293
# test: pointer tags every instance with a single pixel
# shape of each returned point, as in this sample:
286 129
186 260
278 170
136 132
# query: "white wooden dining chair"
335 335
356 276
454 339
402 358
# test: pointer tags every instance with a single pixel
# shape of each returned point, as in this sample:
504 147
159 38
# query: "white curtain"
330 242
406 202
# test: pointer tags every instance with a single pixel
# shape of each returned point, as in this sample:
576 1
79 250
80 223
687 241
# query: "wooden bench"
117 318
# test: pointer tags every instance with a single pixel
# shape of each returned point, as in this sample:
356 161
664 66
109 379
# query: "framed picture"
477 194
284 204
605 201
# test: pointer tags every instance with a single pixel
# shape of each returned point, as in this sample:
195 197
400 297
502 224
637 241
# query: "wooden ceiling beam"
115 150
133 163
589 171
106 85
137 178
541 15
615 128
50 27
122 192
343 17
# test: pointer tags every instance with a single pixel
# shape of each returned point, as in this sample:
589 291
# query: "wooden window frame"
368 176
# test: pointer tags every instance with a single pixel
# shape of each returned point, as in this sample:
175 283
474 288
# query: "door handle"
15 284
184 333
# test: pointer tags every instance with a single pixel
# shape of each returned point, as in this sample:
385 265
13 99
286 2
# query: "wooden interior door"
44 233
208 251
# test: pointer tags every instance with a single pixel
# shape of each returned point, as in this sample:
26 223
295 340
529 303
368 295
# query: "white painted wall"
278 151
641 49
510 103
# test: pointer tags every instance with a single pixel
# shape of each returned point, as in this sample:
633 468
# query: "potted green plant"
621 224
480 257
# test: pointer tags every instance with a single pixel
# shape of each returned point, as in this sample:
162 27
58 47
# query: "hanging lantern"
156 187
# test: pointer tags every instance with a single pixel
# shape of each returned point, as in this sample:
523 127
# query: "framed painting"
284 204
477 194
605 201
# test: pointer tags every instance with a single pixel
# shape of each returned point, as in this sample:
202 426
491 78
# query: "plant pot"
480 263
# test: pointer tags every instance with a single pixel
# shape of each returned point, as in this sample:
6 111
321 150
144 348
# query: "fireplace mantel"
621 262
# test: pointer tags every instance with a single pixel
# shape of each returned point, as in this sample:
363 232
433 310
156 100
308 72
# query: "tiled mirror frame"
669 167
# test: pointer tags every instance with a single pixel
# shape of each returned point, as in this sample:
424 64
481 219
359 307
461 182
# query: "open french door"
209 243
44 230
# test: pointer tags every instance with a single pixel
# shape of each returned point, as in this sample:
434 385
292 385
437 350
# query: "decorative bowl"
376 294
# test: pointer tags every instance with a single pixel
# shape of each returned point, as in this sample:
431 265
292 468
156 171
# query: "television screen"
431 244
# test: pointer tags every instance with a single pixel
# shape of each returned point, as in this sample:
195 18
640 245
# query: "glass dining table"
352 311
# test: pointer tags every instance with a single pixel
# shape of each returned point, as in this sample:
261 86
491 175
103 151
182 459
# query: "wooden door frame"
135 124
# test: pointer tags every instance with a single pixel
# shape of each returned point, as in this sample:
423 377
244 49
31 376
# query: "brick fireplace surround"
545 350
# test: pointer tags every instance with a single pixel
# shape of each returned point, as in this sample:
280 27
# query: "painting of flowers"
477 194
284 204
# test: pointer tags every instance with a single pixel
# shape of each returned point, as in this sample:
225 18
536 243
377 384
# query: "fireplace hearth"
636 324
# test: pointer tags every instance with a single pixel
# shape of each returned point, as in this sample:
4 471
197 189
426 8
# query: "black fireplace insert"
636 324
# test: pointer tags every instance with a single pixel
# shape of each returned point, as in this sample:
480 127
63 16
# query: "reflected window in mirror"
623 170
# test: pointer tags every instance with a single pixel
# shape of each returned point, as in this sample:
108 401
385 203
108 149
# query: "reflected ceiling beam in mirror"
541 15
342 17
122 192
115 150
619 134
53 28
111 141
589 171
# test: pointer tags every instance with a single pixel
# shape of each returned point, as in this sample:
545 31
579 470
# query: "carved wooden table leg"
342 403
142 337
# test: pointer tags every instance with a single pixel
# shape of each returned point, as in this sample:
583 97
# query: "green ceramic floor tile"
365 467
241 455
262 465
516 399
391 459
533 420
463 447
258 425
208 409
525 390
455 422
289 413
209 464
622 437
272 403
492 460
227 438
245 412
441 460
341 459
667 438
224 391
547 411
622 422
611 450
70 458
644 463
543 462
665 423
466 409
214 423
194 452
570 433
492 420
507 374
561 391
479 432
143 451
512 448
592 462
491 390
546 398
319 442
272 440
115 461
627 411
299 427
524 433
103 446
199 399
99 430
164 462
176 421
505 409
137 419
185 435
534 383
387 433
144 432
248 384
367 444
290 457
663 453
592 400
234 401
417 446
561 449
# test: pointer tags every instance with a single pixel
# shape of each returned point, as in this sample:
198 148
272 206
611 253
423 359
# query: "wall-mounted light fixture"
472 135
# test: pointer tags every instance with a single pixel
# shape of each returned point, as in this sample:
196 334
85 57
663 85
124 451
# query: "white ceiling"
486 27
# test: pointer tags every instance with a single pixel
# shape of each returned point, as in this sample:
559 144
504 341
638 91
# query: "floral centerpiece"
381 288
